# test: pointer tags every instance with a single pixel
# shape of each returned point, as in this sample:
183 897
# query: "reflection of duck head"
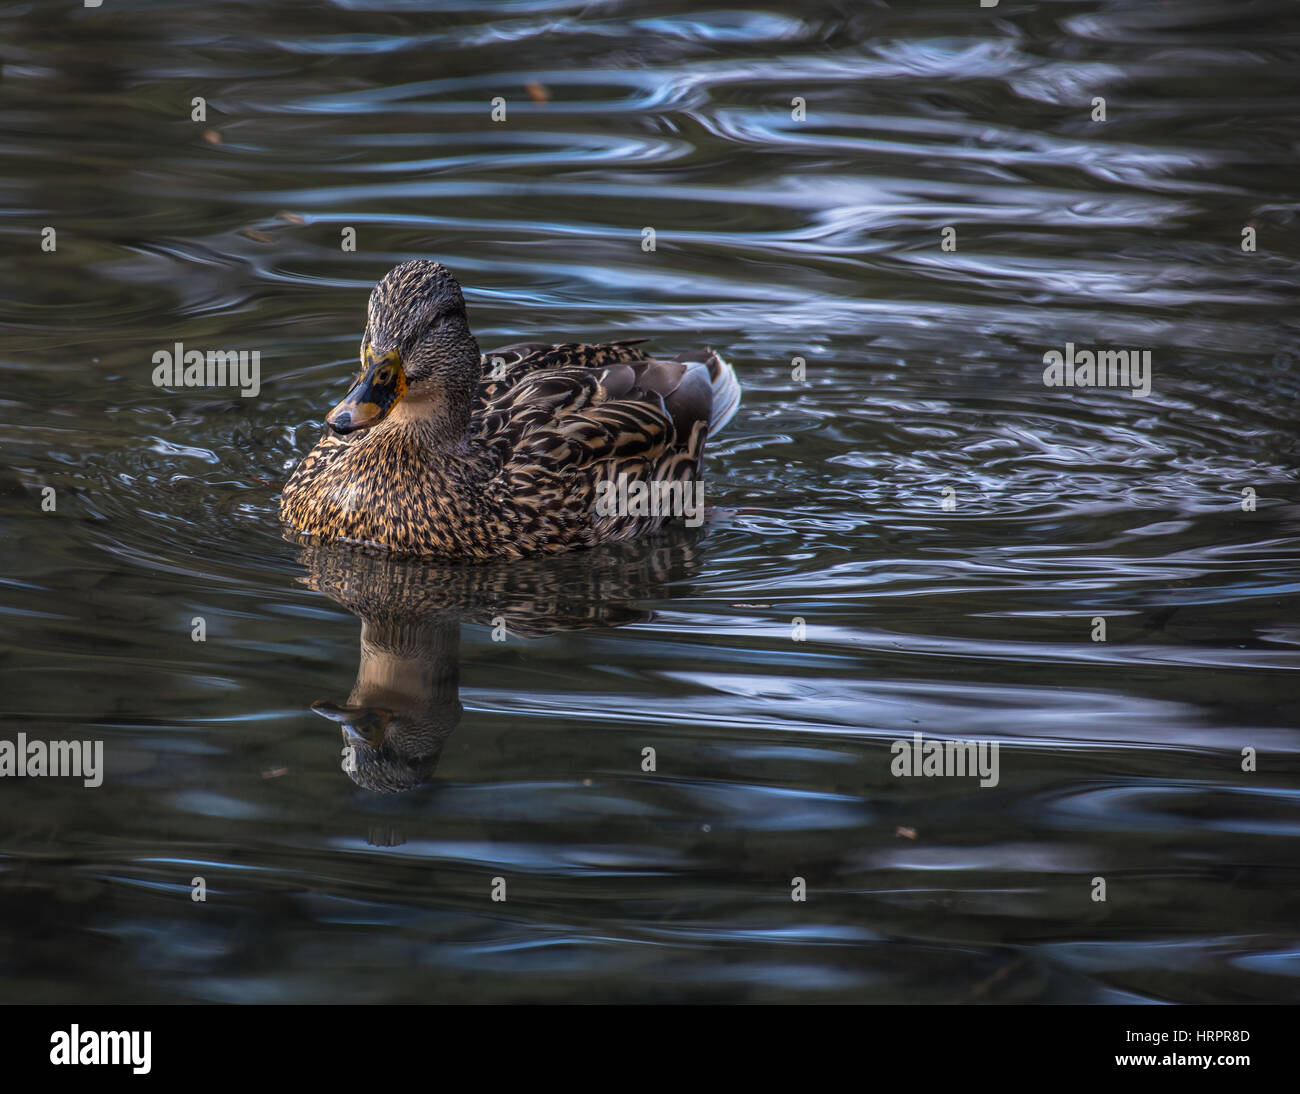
404 704
406 699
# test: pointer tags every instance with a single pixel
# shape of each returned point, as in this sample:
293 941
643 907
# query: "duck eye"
384 375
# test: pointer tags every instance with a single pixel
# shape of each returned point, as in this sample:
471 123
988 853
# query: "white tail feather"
726 392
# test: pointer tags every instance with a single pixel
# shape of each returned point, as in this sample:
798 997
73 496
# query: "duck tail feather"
726 392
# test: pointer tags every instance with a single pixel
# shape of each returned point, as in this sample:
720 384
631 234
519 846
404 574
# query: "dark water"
776 239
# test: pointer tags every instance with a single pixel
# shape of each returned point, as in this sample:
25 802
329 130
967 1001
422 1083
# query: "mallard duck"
440 450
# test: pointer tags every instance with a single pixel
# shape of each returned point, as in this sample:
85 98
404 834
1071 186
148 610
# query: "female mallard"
439 450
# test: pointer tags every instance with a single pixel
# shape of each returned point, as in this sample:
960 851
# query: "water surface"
921 383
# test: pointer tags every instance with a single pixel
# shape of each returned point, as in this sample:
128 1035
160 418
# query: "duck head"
404 704
419 358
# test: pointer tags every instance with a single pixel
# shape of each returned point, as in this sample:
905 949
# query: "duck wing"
573 417
505 367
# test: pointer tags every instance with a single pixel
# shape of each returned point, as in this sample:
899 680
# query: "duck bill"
358 723
381 387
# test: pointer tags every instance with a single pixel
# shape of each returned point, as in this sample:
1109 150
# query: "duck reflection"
405 702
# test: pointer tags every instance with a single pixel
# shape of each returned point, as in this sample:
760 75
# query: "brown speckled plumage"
497 455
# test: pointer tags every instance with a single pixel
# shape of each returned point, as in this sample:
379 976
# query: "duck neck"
409 666
438 420
438 409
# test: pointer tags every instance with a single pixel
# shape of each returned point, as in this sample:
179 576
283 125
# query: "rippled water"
777 239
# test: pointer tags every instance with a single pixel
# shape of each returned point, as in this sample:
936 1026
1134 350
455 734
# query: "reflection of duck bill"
358 723
386 751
